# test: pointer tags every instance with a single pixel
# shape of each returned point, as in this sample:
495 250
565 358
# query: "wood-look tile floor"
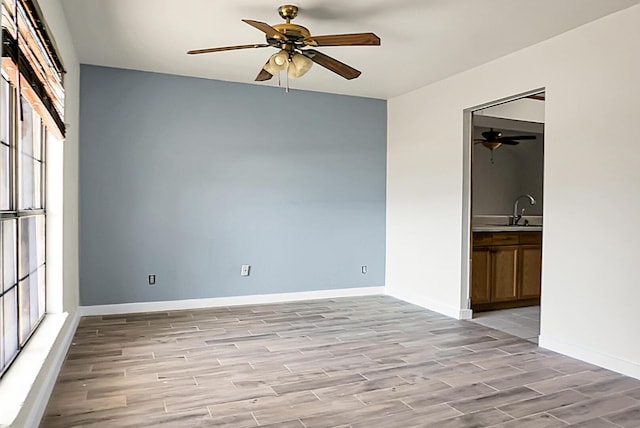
352 362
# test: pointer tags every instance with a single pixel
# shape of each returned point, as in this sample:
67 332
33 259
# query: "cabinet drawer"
482 238
531 237
506 238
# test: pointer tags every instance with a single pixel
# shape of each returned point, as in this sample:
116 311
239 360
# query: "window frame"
33 74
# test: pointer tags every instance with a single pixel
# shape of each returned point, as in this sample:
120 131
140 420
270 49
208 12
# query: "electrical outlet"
152 280
364 270
244 270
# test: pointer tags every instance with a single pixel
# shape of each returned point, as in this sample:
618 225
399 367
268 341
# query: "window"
31 107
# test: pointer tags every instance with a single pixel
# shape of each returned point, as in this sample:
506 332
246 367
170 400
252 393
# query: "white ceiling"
422 40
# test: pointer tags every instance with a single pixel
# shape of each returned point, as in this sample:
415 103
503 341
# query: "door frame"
467 154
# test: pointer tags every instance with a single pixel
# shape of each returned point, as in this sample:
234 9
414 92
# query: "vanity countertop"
506 228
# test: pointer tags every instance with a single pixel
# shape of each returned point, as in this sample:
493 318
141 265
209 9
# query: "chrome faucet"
513 220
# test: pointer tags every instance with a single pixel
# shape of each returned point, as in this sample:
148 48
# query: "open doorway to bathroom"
507 199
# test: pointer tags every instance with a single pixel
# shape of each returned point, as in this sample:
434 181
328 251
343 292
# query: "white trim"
589 355
27 386
450 311
126 308
466 314
36 411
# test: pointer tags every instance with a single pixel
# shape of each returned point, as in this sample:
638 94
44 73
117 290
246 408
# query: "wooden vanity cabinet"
504 287
530 270
481 276
505 269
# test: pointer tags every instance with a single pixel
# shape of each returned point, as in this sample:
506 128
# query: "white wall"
68 246
56 20
592 167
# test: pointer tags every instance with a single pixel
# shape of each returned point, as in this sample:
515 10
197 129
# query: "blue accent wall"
190 178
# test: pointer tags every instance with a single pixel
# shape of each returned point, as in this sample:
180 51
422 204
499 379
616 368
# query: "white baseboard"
172 305
466 314
450 311
31 379
628 368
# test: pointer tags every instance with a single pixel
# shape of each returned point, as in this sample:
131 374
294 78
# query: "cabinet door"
530 269
505 273
480 275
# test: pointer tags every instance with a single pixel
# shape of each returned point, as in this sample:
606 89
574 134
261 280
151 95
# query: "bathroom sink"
500 223
510 225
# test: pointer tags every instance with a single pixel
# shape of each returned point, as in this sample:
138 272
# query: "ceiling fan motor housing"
295 34
292 31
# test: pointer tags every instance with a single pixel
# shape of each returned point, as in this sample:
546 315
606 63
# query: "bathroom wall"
515 170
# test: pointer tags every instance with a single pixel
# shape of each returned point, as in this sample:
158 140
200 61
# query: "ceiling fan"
494 139
294 43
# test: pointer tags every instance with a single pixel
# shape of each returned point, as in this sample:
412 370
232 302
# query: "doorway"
505 198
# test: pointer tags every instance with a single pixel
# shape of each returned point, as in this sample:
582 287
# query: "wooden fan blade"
357 39
507 142
271 32
263 75
332 64
519 137
227 48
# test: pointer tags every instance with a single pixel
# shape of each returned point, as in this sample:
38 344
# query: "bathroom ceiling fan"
295 47
494 139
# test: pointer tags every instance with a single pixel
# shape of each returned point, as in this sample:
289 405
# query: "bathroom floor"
520 322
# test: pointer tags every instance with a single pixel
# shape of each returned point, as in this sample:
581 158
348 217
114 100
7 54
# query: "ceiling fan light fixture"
298 66
278 62
491 145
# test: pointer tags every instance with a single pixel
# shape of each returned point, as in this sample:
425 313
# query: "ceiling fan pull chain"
492 157
287 87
